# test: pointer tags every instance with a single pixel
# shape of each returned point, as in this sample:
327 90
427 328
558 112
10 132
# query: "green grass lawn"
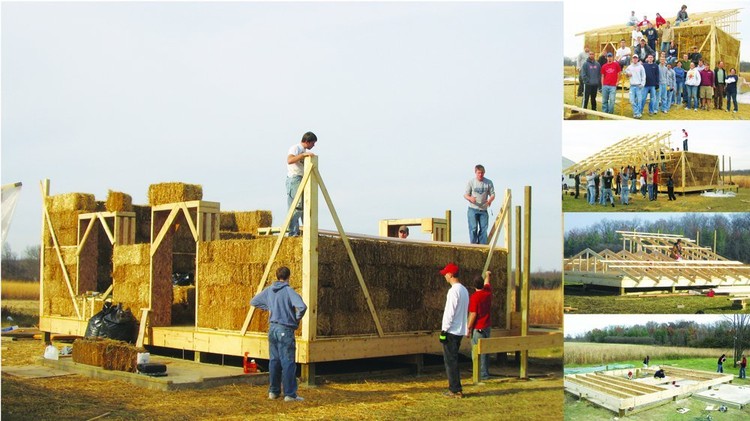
598 302
622 106
581 409
689 203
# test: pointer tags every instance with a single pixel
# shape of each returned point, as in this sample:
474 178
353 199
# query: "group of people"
656 73
602 187
743 365
463 316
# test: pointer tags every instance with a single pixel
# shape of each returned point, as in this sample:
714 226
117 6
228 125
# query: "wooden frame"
438 227
612 389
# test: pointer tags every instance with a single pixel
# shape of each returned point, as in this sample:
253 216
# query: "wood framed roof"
724 19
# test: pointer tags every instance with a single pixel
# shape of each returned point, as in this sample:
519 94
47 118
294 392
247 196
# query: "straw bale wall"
106 353
118 202
228 235
130 270
57 300
162 193
63 211
248 222
403 279
700 169
88 260
229 272
406 289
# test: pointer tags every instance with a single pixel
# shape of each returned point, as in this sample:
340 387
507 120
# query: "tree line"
20 268
732 233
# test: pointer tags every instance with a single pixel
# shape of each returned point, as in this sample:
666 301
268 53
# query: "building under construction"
647 260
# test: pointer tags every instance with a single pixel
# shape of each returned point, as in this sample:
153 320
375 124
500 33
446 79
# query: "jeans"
636 100
601 194
607 195
292 184
592 195
671 60
450 356
624 194
664 46
719 96
484 359
743 375
633 188
589 92
650 188
679 21
732 97
281 367
643 190
478 220
720 368
678 93
663 97
692 96
608 98
653 102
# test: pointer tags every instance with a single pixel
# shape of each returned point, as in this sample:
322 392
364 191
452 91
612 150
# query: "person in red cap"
453 328
480 321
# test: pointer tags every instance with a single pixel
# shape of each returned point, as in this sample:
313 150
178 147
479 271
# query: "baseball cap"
609 54
450 268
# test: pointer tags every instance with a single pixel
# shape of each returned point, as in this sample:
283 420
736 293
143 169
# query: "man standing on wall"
480 192
480 321
453 328
295 167
287 310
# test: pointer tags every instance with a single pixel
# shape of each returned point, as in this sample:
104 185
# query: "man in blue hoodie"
652 82
287 309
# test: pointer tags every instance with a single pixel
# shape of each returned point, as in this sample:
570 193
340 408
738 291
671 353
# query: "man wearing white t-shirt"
295 161
453 328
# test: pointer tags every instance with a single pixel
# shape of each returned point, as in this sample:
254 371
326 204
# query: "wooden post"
310 253
44 185
526 279
714 241
508 263
730 170
448 234
517 277
682 163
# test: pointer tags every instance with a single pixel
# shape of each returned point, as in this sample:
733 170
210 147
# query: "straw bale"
228 274
118 202
247 221
161 286
106 353
130 272
183 305
159 194
63 211
57 299
229 235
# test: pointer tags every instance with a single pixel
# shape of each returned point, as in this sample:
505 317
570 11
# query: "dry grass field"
20 290
545 306
741 180
584 353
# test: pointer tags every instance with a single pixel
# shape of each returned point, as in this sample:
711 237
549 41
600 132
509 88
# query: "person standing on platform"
480 192
684 140
667 36
682 16
287 309
453 328
295 165
480 320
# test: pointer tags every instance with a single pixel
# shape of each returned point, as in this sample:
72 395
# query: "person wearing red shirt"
480 321
660 20
610 73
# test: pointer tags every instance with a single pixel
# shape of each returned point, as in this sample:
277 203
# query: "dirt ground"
75 397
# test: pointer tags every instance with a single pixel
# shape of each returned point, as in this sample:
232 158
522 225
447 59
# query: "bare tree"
741 331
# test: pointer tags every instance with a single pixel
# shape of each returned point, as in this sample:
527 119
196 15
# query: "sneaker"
687 108
734 111
293 399
613 205
273 396
664 112
457 395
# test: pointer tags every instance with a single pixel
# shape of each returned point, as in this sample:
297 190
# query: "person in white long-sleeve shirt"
453 327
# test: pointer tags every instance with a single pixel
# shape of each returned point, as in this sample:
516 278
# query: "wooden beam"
189 219
595 113
56 246
142 327
85 237
526 276
106 228
310 258
44 188
155 243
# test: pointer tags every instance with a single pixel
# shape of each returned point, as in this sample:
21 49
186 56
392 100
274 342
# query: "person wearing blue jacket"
652 82
287 309
679 79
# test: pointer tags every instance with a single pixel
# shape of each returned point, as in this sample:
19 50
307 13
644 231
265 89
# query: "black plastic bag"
95 322
118 324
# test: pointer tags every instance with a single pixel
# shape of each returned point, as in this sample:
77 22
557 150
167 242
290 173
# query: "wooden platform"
613 390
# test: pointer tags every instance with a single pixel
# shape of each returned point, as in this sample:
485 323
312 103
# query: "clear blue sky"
405 99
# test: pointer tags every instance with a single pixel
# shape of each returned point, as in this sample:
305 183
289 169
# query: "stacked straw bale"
130 270
106 353
405 287
63 211
700 170
228 275
162 193
245 222
57 299
118 202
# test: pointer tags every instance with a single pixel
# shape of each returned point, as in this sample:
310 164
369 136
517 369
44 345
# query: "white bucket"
143 357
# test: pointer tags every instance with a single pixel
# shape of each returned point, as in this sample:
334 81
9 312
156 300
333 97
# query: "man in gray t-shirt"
480 192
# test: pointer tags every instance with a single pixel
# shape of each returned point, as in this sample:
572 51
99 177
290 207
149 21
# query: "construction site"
714 33
360 290
633 390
